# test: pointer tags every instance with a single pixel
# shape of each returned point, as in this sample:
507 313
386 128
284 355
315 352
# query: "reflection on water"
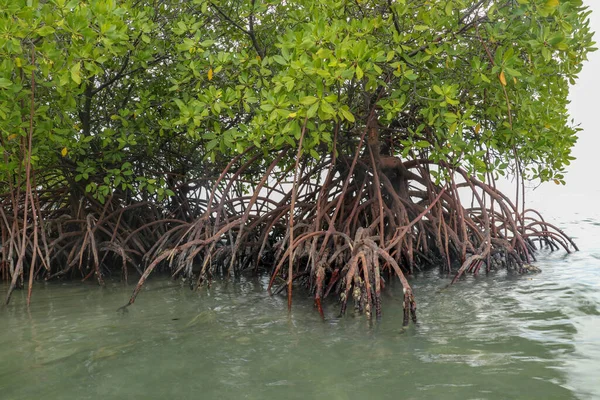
495 337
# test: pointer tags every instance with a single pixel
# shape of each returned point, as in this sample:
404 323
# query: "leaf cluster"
129 95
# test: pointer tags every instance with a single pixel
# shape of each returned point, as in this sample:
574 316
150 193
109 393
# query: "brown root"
341 224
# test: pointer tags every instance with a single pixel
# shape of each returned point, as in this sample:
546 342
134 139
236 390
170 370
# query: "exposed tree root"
343 225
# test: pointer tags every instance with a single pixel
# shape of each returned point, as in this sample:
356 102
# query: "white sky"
581 194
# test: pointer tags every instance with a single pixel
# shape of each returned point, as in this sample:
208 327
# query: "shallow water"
492 337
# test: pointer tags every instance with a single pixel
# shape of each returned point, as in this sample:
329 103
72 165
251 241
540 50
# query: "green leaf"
45 30
280 60
76 73
359 72
410 75
186 45
308 100
312 110
5 83
512 72
180 105
448 8
327 108
562 46
347 114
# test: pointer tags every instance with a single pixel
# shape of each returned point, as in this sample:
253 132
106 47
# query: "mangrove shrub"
333 144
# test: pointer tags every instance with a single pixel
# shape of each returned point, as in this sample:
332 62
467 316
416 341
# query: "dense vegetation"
325 142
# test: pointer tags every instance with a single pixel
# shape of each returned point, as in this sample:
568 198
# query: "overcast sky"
582 191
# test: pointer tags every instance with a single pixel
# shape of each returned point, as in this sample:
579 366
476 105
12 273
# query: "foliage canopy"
124 91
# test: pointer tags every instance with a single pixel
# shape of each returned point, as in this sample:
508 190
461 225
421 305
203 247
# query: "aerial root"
351 231
343 226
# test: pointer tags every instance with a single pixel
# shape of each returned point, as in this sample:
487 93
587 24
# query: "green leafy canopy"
125 90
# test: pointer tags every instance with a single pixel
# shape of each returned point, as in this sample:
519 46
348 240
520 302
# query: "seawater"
499 336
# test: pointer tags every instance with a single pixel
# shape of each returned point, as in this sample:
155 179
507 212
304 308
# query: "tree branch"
394 17
250 32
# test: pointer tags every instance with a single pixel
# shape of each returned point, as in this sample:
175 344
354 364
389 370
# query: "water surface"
491 337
